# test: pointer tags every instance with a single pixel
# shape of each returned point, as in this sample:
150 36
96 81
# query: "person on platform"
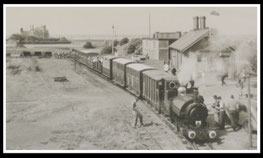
232 110
223 79
173 71
166 67
190 86
215 105
221 110
197 97
241 81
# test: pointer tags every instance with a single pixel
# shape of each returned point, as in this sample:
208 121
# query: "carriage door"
161 95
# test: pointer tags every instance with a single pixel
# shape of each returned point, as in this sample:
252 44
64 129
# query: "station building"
196 44
157 48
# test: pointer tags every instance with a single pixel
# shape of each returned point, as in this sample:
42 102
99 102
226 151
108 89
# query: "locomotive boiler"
190 114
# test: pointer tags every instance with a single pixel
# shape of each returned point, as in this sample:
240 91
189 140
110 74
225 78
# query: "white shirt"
221 106
166 67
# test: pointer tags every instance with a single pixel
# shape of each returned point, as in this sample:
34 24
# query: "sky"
129 20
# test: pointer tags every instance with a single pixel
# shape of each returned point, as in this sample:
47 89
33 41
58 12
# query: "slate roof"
189 39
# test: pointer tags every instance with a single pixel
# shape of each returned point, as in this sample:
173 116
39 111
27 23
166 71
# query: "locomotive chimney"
202 22
196 22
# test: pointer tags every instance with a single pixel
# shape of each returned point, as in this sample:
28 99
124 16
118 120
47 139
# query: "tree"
106 50
253 62
17 37
131 49
115 43
88 45
124 41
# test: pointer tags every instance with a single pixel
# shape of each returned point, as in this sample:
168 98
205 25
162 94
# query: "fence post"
249 112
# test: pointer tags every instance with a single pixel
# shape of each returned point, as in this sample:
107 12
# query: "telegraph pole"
149 25
115 34
249 112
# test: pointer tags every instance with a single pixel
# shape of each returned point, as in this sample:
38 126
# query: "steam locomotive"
161 90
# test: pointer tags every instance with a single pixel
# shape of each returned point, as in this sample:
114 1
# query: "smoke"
244 48
244 53
188 69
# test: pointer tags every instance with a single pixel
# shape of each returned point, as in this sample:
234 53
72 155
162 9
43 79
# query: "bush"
88 45
14 69
37 69
131 49
106 50
17 37
124 41
253 63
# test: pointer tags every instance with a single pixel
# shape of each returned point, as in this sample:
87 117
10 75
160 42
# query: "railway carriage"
81 57
97 65
134 77
171 85
119 70
153 88
107 63
158 88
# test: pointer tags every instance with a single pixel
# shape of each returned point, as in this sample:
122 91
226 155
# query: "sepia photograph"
113 78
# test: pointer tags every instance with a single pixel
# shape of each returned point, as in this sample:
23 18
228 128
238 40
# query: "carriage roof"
123 61
140 67
108 57
158 75
154 74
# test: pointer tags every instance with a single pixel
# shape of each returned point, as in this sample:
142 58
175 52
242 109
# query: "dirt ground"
85 113
229 139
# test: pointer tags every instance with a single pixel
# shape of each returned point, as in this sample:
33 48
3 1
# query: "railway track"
154 134
191 145
205 146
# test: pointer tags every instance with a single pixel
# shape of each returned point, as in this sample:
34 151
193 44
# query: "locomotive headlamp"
172 85
212 134
198 123
191 134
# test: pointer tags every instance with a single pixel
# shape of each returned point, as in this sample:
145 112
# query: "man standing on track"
137 115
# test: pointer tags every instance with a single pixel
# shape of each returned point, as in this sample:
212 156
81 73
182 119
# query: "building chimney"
202 22
196 22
